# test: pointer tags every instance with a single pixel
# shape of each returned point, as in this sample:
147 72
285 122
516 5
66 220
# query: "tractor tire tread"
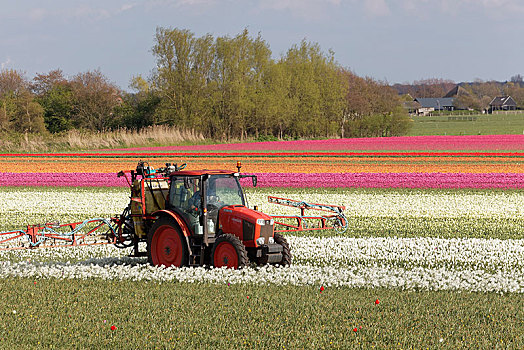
286 250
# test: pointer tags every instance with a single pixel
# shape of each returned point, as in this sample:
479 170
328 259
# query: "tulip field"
433 255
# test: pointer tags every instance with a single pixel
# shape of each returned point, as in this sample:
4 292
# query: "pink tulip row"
371 180
420 143
62 179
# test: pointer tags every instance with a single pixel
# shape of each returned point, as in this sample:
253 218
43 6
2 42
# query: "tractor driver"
212 198
194 202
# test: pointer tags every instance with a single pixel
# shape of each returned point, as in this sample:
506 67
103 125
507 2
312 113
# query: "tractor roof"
201 172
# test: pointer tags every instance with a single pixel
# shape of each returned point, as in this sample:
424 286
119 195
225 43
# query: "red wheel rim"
225 255
167 247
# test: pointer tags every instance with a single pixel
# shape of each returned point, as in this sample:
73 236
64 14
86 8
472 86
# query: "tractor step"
137 254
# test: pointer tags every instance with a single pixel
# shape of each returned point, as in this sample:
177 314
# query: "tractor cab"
199 196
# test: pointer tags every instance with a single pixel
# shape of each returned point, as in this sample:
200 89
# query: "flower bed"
409 264
295 180
420 143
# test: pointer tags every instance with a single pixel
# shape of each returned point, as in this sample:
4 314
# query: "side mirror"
253 178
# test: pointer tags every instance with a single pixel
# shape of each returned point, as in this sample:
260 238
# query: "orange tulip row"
277 164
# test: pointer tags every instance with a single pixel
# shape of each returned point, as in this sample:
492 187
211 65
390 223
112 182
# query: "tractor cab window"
221 190
184 195
224 190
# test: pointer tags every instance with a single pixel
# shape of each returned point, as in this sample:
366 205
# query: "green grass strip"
56 313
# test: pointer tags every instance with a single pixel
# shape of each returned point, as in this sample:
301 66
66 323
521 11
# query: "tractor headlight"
271 222
271 240
260 241
261 222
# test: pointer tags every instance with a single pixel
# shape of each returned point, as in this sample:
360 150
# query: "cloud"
309 9
90 11
194 2
37 14
179 3
315 9
127 7
492 8
376 8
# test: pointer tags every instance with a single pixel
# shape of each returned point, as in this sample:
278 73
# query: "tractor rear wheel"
166 245
229 251
286 251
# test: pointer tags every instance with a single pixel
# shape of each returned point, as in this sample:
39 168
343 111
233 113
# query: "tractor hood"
247 224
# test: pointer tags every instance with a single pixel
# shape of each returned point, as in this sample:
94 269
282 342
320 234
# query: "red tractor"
196 218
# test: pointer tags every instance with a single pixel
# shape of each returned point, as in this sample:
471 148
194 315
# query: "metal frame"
36 236
321 222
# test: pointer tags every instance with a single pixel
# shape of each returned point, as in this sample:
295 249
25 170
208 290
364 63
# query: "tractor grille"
266 231
248 229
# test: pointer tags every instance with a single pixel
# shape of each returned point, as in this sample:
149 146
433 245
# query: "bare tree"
94 100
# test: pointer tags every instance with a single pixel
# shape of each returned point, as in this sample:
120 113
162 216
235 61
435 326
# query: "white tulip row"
419 263
388 211
412 203
50 202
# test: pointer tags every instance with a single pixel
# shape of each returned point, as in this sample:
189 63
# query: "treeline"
52 103
224 88
468 95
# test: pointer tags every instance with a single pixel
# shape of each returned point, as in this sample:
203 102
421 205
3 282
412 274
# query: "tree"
29 115
43 83
238 73
518 79
54 93
278 104
316 91
229 87
373 108
95 99
18 109
182 76
516 91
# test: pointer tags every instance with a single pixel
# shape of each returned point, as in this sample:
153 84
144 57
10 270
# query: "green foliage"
230 88
58 106
136 111
19 111
46 313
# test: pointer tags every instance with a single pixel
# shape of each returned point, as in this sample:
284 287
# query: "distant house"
428 105
502 103
457 91
412 107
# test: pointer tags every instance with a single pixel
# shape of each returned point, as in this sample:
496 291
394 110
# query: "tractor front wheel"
286 251
229 251
166 245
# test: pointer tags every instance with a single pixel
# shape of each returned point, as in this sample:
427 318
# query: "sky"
397 41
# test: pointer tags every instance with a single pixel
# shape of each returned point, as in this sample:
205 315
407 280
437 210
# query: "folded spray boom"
87 232
335 220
